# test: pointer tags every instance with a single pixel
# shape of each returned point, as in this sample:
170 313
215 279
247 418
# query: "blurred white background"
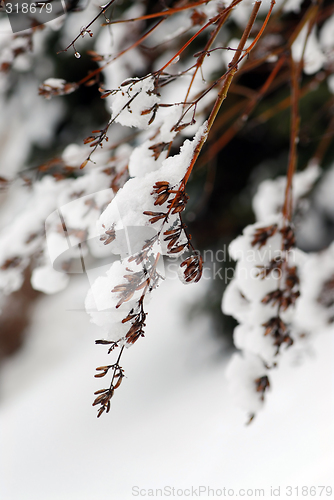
172 422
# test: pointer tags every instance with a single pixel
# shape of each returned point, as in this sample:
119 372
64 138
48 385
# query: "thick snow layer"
134 198
132 106
173 421
326 37
269 197
101 301
21 238
324 194
312 314
241 373
46 279
56 83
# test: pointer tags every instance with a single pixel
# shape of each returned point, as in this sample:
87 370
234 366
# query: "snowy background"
173 423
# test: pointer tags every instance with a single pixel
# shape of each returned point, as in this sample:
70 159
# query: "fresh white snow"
173 421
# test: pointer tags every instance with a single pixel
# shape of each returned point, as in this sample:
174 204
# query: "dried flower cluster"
270 298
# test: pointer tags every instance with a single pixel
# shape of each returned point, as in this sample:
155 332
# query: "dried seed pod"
274 297
89 139
262 234
161 190
292 278
103 369
100 391
289 239
178 248
275 266
156 216
109 235
105 342
279 331
56 86
178 203
193 268
10 263
158 149
262 384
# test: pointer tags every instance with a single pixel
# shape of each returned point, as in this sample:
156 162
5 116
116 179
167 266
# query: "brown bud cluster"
109 235
137 325
262 385
158 149
178 203
193 268
288 235
135 281
161 190
279 331
262 235
48 90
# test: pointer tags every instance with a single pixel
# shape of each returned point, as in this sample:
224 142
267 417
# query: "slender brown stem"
228 135
211 40
258 36
227 80
132 46
116 366
294 136
296 70
209 23
179 52
226 85
163 13
138 42
104 8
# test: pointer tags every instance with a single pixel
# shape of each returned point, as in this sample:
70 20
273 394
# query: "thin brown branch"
241 121
294 136
84 30
226 85
168 12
